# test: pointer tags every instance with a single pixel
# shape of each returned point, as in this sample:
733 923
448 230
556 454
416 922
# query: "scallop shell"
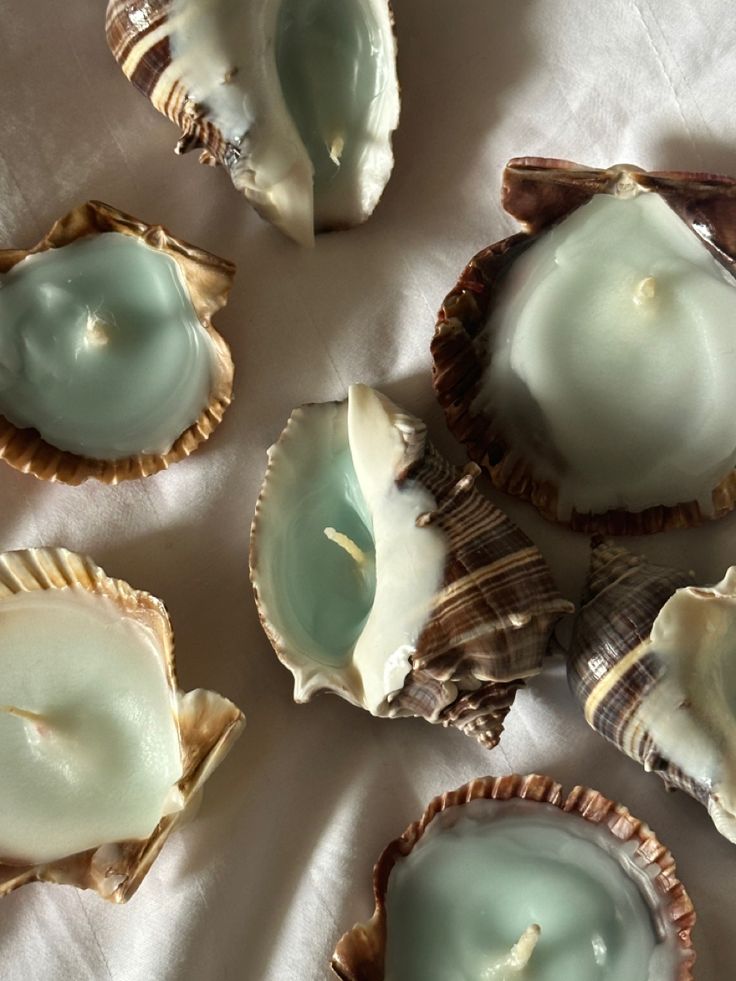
220 81
360 953
613 664
539 193
208 280
489 626
208 726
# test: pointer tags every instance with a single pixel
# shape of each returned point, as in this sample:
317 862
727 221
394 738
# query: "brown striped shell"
360 953
208 725
489 625
539 193
208 280
614 666
214 70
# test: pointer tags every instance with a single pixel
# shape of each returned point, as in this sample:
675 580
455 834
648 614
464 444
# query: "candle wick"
335 148
41 722
353 550
521 952
96 334
646 290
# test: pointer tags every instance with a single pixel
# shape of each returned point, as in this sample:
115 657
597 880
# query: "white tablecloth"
278 863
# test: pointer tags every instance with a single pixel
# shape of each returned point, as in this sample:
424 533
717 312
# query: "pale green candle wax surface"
101 349
330 595
463 898
103 763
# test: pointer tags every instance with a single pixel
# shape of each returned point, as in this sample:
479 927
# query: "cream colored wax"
520 891
89 749
613 358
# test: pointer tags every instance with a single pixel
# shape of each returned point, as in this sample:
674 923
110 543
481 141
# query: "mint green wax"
465 895
101 349
329 75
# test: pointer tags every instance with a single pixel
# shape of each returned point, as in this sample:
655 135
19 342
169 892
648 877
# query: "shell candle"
507 880
297 99
109 366
652 665
381 574
587 362
100 753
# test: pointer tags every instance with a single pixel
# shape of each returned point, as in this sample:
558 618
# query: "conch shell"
488 624
649 664
208 725
540 194
208 280
297 100
360 953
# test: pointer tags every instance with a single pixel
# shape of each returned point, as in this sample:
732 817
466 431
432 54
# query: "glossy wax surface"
466 893
614 356
330 76
103 765
101 349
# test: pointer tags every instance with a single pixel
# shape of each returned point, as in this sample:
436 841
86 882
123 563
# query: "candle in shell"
652 665
505 879
109 364
381 574
297 99
586 363
102 754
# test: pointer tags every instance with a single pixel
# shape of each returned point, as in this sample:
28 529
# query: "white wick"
645 291
518 957
335 148
41 722
96 334
353 550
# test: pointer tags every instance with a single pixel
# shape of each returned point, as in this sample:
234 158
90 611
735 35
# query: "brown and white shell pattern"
208 281
360 953
539 193
489 625
208 725
611 666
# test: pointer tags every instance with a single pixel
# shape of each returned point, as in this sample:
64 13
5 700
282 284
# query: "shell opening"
334 60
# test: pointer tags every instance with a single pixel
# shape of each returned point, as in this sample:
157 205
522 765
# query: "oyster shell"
485 621
509 432
207 723
650 664
297 99
208 280
360 953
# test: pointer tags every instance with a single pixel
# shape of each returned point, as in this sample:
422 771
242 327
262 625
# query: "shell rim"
208 280
360 952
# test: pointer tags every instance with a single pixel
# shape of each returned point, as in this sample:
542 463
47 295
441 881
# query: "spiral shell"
540 193
208 281
623 672
360 953
488 625
207 723
297 101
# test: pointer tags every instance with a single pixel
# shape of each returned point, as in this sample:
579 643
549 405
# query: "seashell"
649 665
297 99
462 604
207 724
573 405
207 279
361 954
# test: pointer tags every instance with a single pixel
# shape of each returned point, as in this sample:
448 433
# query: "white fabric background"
278 863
